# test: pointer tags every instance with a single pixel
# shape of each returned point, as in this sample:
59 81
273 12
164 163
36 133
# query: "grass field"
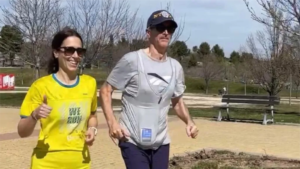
25 77
283 114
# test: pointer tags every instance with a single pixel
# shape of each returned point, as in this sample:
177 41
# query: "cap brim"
167 20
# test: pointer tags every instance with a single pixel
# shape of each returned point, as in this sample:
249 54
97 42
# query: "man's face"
161 34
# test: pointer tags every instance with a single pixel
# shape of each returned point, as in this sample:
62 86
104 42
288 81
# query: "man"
149 81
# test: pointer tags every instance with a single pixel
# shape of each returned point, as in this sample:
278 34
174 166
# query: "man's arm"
106 102
181 110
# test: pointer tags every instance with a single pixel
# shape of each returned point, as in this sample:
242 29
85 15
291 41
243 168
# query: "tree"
271 65
234 57
10 42
195 49
204 49
137 44
179 49
192 61
274 10
33 18
243 74
296 76
245 56
99 22
180 28
209 70
218 52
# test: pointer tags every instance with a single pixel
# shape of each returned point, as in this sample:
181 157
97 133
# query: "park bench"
269 101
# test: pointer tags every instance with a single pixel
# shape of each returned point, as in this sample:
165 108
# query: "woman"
65 104
150 81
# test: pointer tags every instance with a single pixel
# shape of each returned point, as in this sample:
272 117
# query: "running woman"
150 81
65 104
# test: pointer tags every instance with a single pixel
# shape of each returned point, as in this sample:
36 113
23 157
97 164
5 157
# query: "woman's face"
70 54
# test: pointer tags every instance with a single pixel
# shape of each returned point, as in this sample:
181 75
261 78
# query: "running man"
65 104
150 81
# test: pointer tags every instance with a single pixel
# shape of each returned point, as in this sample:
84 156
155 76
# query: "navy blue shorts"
137 158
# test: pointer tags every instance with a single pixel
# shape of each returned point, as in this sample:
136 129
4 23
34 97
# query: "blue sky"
223 22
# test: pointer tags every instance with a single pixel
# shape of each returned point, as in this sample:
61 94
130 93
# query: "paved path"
275 140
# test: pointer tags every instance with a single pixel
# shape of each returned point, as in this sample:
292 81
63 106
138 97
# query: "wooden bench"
270 102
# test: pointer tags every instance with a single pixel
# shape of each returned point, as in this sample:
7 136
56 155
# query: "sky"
224 22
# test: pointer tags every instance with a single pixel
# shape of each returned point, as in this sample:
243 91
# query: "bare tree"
180 29
272 61
275 9
296 77
295 73
33 18
243 74
97 21
209 70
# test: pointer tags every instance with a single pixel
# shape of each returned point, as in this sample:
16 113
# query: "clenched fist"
42 111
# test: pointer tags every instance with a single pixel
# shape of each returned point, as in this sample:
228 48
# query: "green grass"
16 99
194 85
283 114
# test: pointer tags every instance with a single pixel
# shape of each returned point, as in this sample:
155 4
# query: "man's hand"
191 130
118 132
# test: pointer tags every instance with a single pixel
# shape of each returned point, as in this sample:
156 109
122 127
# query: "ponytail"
52 65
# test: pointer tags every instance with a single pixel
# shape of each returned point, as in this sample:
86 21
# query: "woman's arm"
93 122
26 126
33 107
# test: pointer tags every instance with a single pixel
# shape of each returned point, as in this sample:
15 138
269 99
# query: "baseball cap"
159 17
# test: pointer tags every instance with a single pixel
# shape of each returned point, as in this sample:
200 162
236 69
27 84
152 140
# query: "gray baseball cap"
159 17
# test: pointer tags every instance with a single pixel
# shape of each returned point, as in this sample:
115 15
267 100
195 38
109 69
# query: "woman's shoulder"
87 78
44 80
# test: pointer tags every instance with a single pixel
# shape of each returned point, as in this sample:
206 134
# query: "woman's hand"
90 136
42 111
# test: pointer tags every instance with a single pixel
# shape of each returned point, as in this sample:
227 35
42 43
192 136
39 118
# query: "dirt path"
275 140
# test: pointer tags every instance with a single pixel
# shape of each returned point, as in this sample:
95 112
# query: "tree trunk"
297 91
37 67
206 86
245 88
37 72
81 70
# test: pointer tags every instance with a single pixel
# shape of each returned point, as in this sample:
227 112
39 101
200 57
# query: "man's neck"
159 54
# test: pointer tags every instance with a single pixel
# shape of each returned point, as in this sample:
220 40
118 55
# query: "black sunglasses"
71 50
161 28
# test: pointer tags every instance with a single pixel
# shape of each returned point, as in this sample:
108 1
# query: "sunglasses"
68 51
161 28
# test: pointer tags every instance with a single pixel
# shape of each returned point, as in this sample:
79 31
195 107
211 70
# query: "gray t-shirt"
124 76
141 108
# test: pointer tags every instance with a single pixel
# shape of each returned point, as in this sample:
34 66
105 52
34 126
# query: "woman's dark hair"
57 41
